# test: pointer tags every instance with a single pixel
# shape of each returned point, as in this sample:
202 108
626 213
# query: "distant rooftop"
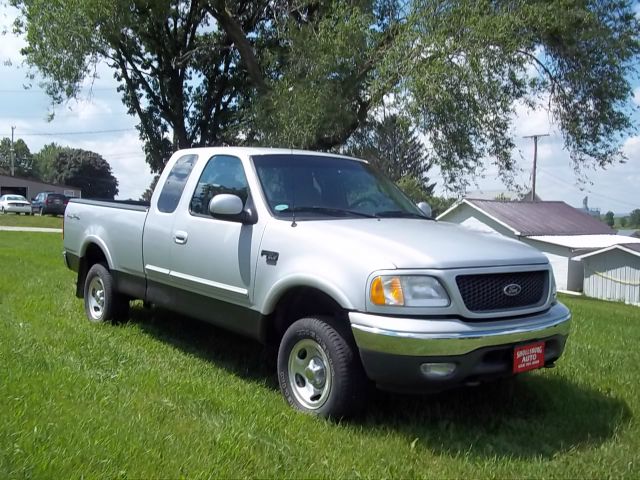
629 233
541 218
578 242
501 195
632 248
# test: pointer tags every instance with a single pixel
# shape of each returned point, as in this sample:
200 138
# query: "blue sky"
100 110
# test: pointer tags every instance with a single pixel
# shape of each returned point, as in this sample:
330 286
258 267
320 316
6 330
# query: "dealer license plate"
528 357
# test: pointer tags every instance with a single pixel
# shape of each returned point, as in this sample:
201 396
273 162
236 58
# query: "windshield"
317 186
16 197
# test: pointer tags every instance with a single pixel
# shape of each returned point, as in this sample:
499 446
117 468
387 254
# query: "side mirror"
425 208
225 204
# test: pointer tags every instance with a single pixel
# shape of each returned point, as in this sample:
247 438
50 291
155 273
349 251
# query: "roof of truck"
252 151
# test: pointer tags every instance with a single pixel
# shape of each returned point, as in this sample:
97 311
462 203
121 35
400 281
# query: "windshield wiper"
328 210
401 214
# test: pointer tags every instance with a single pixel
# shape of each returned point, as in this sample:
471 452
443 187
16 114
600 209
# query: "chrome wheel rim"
96 298
309 374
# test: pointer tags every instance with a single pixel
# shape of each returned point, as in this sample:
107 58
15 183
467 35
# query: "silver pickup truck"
325 258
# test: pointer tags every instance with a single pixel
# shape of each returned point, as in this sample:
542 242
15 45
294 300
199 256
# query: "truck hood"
415 243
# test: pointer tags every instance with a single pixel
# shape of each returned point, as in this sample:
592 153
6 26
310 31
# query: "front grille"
486 292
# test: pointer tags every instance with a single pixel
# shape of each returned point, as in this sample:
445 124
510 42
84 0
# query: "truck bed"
115 225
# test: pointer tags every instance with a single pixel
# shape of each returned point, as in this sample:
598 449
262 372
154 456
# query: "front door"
210 256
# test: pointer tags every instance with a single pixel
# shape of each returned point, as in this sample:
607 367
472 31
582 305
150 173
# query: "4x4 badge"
272 257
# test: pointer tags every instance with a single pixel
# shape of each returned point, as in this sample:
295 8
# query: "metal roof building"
613 273
558 230
30 187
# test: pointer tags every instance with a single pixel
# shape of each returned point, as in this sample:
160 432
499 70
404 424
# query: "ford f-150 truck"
325 258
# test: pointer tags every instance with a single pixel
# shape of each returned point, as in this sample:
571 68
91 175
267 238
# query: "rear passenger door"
158 235
212 256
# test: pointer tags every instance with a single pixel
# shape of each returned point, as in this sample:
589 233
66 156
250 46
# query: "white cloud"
86 110
10 44
125 155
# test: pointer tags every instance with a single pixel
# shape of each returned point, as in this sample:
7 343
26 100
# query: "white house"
613 273
558 230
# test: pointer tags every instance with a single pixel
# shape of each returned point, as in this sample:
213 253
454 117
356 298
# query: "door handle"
180 237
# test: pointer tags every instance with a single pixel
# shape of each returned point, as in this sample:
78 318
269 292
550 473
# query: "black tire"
2 210
102 302
326 345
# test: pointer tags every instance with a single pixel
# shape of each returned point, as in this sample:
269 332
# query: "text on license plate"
528 357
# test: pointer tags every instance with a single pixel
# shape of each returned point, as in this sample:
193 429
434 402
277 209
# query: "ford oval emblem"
512 290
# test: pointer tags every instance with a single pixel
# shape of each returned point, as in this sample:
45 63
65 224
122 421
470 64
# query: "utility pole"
12 153
535 161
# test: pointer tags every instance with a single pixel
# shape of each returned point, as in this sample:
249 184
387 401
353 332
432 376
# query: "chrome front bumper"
447 337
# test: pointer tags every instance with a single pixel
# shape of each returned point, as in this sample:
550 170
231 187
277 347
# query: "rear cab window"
174 185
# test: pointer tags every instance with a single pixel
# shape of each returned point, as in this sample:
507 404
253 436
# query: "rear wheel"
101 301
319 368
2 209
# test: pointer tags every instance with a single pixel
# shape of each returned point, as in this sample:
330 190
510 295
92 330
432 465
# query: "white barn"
558 230
613 273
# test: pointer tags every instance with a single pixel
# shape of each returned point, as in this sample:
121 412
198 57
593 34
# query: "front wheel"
319 368
101 301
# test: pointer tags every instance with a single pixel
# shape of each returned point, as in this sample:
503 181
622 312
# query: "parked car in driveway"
48 203
14 204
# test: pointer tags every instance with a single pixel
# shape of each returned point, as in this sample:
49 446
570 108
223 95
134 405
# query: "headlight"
554 290
408 291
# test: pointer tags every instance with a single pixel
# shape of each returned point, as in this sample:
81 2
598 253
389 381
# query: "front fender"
326 286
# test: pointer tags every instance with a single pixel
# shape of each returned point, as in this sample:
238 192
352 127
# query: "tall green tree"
44 161
609 218
86 170
634 218
23 159
393 146
415 191
146 195
308 73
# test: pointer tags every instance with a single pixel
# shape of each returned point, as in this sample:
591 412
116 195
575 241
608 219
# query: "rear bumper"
71 261
393 349
14 209
51 208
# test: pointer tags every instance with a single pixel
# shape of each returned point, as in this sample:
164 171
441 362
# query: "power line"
590 192
87 132
34 90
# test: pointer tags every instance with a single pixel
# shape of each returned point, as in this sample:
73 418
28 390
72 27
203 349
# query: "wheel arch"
297 302
93 251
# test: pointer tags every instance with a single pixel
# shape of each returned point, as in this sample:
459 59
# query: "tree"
44 162
22 160
86 170
146 195
309 73
634 218
392 145
415 191
623 222
608 218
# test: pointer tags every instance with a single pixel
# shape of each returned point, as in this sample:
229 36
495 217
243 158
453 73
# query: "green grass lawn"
13 220
164 396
